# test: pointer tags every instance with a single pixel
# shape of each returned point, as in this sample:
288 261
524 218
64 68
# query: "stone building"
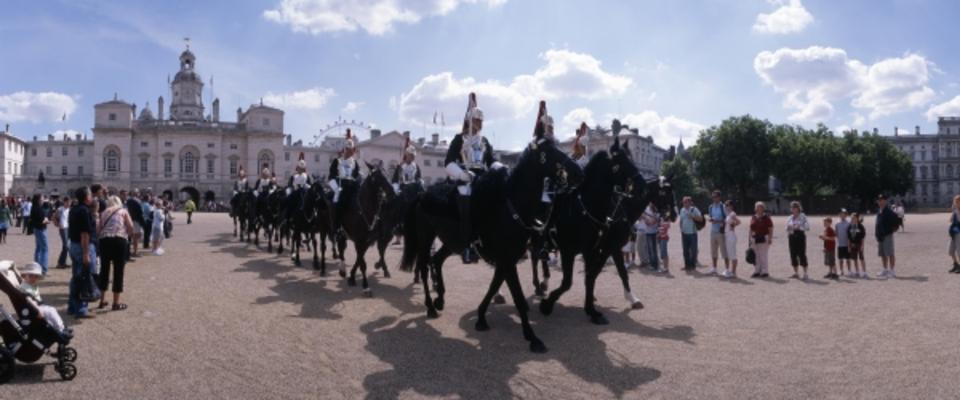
936 162
647 155
12 153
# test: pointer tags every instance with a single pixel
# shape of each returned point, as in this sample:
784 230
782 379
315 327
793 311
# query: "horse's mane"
597 166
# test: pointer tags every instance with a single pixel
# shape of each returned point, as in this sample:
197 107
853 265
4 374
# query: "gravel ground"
215 318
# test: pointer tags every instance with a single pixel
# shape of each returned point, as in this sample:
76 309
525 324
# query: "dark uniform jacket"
455 154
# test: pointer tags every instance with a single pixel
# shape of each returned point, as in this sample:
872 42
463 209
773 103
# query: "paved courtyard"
215 318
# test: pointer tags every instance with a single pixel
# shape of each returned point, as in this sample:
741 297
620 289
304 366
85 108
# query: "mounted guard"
265 184
408 172
241 185
468 156
345 167
579 154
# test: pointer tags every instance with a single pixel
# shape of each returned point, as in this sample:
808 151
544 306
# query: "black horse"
361 214
316 222
504 209
595 220
240 205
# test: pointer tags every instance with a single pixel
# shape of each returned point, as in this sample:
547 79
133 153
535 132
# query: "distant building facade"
936 162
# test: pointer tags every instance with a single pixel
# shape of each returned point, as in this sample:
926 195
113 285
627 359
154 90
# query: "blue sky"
667 67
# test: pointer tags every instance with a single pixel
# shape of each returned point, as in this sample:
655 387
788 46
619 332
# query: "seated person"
32 275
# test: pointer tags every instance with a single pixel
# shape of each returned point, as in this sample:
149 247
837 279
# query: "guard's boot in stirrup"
463 205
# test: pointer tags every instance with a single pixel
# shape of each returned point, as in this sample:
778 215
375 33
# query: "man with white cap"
579 148
345 167
300 179
469 154
241 184
265 183
408 172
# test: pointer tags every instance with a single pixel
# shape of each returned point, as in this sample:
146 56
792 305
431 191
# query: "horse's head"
378 181
624 174
548 161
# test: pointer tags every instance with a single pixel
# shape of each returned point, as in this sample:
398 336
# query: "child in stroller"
30 331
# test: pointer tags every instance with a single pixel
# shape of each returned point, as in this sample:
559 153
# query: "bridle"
371 224
619 196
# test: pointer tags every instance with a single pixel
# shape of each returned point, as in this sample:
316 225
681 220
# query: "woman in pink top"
114 229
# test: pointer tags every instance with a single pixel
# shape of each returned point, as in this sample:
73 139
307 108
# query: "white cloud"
571 122
950 108
565 74
790 17
813 79
376 17
36 106
310 99
351 107
665 130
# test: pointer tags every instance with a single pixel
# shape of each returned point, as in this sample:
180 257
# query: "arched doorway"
190 192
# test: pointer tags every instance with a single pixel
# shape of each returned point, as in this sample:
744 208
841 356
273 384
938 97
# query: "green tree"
735 156
871 166
805 161
682 178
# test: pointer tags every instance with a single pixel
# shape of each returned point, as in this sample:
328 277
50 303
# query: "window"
426 162
144 167
63 170
112 161
316 157
112 117
33 151
167 144
188 164
64 151
144 144
210 145
49 151
266 122
167 167
233 146
80 170
286 156
49 170
209 165
233 167
80 151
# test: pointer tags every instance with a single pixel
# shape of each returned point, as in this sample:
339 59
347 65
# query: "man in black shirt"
83 254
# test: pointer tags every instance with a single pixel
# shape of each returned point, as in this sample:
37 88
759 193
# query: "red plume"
581 133
538 128
349 134
472 102
301 157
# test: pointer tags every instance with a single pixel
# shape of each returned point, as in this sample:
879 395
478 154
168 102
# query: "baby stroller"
26 337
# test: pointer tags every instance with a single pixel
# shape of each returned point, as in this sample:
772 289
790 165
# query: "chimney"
896 131
420 141
917 130
34 138
6 128
239 114
435 139
216 110
160 108
50 138
289 139
66 137
79 137
374 133
134 108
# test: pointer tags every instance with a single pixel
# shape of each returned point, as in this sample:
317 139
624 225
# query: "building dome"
146 114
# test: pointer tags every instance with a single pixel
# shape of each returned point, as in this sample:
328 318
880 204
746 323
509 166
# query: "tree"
735 156
805 161
682 179
872 166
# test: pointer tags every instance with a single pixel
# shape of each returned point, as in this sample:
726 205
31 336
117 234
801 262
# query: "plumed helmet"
241 172
473 112
349 142
577 142
544 120
409 148
301 163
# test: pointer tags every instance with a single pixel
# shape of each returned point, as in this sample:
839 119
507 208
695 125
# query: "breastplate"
408 173
346 168
473 151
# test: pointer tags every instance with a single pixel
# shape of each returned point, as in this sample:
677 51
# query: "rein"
604 225
381 200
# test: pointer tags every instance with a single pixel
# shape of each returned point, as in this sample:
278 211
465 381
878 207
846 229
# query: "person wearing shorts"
843 244
887 224
856 233
717 218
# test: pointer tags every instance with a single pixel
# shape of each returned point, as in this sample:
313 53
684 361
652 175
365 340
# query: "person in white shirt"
730 240
25 207
797 227
639 233
62 217
651 220
159 216
579 148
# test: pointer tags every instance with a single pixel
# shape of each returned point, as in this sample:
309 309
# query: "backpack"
697 224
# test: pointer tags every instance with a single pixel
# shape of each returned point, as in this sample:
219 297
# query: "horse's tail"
410 237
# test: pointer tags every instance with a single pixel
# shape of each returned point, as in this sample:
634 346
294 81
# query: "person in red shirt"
829 238
761 237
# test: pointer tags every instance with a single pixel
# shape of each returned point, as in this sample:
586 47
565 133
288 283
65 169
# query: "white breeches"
458 174
336 189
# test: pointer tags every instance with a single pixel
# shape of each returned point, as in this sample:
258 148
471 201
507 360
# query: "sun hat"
31 268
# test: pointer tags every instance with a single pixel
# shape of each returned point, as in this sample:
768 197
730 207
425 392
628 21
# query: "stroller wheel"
7 364
67 371
69 354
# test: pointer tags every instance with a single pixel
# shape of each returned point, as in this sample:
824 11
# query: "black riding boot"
466 230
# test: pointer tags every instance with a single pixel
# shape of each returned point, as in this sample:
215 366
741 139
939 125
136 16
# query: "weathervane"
186 40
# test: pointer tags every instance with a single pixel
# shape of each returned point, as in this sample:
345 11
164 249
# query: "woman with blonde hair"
761 237
797 227
114 230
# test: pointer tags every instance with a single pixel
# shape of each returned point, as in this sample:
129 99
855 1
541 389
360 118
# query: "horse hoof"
367 292
498 299
323 273
599 319
386 274
540 293
637 306
352 282
432 314
438 303
537 346
296 263
543 287
316 266
481 326
343 273
546 308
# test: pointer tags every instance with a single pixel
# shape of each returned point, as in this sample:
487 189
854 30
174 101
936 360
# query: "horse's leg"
356 264
280 230
313 243
381 249
544 286
534 258
513 282
268 232
625 279
436 265
481 324
295 247
323 253
234 226
566 261
341 244
590 280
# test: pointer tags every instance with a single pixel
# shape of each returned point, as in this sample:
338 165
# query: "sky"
668 68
